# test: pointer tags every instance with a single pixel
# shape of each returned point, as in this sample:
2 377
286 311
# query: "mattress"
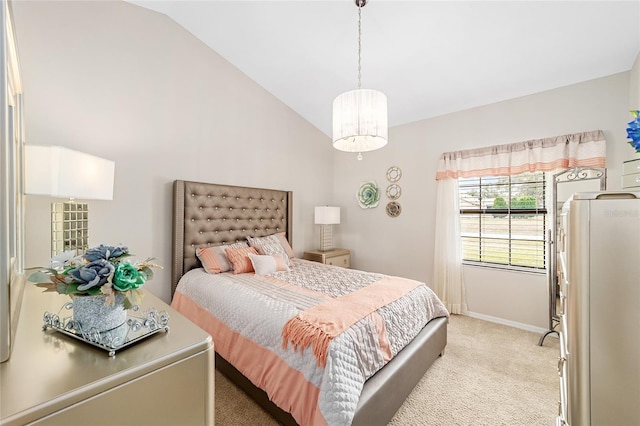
318 379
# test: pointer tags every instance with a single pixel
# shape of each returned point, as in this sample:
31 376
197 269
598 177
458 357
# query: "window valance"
587 149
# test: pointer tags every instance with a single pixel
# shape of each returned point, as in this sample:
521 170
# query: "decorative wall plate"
394 191
394 174
394 209
368 195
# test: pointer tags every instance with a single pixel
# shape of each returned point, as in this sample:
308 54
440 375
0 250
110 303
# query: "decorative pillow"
270 245
214 259
239 258
285 244
265 265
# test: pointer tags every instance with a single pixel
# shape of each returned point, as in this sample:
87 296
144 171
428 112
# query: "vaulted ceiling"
429 57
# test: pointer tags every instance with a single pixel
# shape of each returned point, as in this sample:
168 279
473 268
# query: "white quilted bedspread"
258 308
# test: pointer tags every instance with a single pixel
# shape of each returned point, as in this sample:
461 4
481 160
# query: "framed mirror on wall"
12 198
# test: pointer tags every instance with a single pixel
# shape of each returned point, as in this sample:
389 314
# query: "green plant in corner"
100 270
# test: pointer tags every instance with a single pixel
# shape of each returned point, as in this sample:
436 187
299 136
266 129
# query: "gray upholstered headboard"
206 214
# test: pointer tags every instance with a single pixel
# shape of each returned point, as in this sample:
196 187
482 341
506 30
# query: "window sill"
505 268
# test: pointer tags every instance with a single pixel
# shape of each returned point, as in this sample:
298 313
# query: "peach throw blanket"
319 325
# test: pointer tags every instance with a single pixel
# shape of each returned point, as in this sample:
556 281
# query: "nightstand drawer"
344 261
631 181
631 166
335 257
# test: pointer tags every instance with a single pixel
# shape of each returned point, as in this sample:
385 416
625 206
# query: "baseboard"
503 321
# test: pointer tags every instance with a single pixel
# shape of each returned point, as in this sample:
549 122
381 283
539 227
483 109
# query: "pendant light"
360 116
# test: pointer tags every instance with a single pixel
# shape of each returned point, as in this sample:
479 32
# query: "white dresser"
631 174
599 363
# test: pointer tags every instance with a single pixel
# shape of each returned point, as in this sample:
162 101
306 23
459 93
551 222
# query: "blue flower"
633 131
104 252
93 274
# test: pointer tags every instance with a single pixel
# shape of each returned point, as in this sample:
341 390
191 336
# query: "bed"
210 215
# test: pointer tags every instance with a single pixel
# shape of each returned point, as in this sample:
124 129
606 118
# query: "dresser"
54 379
631 174
600 310
336 257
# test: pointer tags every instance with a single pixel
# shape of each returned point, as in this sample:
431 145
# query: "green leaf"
148 272
127 303
40 277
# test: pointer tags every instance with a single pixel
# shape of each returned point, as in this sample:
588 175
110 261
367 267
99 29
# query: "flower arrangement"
100 270
633 131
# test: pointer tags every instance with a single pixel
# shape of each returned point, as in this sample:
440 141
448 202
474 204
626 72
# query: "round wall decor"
394 191
368 195
393 209
394 174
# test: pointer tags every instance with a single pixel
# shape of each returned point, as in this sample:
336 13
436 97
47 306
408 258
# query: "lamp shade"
61 172
327 215
360 121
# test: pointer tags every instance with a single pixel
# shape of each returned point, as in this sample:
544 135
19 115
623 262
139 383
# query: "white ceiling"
429 57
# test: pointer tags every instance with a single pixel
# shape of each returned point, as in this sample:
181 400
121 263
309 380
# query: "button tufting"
193 220
193 195
200 207
208 220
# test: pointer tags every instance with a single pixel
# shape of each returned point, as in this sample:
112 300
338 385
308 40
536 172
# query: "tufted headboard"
206 214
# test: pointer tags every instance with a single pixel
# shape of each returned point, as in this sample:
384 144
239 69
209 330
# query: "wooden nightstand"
335 257
53 379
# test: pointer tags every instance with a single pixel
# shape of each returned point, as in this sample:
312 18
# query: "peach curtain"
586 149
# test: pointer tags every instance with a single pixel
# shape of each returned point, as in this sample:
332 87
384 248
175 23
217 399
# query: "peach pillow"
214 259
239 258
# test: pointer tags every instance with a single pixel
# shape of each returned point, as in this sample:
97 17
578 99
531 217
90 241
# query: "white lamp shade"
360 121
327 215
61 172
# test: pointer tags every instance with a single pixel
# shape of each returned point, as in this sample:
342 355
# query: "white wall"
404 245
634 85
128 84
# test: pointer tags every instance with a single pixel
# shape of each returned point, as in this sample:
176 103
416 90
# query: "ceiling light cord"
359 44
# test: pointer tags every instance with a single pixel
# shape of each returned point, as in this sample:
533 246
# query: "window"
503 220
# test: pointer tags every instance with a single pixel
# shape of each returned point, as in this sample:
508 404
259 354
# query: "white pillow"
267 264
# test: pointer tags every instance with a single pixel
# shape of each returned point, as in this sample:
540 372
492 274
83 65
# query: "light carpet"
491 374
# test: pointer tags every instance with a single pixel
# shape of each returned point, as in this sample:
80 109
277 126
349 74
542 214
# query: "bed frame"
209 214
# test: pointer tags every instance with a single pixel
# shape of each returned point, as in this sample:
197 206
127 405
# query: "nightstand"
53 379
335 257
